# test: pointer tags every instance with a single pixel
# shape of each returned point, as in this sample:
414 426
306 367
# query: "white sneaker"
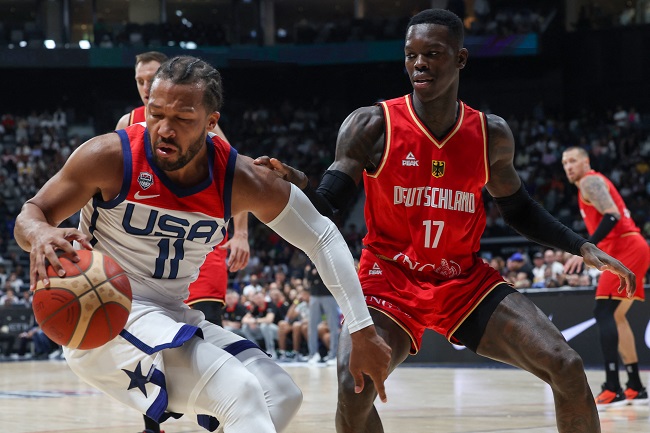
331 361
314 359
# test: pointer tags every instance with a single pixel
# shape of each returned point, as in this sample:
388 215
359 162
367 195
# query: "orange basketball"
89 306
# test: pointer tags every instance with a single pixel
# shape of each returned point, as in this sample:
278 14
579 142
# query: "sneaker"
636 397
331 361
608 398
314 359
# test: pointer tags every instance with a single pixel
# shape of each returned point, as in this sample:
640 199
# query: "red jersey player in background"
425 159
208 292
611 228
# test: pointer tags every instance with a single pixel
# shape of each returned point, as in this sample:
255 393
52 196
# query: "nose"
420 63
165 129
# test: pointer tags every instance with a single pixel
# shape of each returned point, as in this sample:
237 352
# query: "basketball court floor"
46 397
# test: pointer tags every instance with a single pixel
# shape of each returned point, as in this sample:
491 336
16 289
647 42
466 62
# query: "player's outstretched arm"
528 217
285 209
95 167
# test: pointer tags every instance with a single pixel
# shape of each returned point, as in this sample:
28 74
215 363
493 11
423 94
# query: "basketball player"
156 198
611 228
208 292
425 158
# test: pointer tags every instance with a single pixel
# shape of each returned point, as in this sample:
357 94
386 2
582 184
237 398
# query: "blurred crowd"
34 146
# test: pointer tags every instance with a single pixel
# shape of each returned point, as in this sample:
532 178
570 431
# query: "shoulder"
370 118
497 127
123 122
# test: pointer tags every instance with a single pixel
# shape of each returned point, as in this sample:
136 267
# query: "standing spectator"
611 228
321 302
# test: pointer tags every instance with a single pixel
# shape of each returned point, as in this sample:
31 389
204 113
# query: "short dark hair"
192 70
150 56
442 17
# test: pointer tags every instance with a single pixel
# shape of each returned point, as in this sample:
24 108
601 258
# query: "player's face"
432 60
144 73
177 122
575 165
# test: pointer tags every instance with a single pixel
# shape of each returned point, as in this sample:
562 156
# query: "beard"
183 157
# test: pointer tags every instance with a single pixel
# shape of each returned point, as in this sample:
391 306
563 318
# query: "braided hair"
192 70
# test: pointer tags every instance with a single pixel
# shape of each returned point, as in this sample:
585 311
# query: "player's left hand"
239 252
593 256
369 355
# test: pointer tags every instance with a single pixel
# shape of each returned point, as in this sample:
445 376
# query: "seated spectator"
260 323
233 313
296 323
538 270
43 346
9 298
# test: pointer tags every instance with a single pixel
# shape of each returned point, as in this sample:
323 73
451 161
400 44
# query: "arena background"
559 60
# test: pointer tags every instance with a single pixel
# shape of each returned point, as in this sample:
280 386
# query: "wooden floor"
45 397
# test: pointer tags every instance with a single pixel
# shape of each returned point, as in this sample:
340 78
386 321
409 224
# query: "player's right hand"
44 248
602 261
283 170
370 355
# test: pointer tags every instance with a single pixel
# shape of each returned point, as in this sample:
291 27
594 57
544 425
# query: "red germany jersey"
424 208
138 115
592 216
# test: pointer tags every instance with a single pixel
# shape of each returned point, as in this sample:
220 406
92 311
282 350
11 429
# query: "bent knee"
566 363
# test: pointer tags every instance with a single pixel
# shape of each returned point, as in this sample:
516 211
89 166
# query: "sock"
611 376
150 424
633 379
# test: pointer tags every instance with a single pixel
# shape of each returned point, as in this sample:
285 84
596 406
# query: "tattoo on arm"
596 191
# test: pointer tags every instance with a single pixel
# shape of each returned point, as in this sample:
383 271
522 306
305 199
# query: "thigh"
518 333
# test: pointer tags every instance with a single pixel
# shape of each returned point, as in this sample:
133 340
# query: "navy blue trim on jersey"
227 184
239 346
208 422
175 189
98 201
157 409
182 336
126 175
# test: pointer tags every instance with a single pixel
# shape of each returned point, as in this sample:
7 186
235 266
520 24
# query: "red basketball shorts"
417 301
632 250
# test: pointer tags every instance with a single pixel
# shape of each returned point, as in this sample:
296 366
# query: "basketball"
89 306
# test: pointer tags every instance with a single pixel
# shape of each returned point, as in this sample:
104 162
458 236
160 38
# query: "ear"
463 54
213 119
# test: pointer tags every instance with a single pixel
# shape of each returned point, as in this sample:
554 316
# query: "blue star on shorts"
137 379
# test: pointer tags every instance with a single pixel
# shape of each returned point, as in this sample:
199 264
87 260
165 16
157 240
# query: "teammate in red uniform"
425 158
611 228
208 292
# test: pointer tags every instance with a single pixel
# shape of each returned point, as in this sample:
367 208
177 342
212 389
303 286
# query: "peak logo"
376 270
410 161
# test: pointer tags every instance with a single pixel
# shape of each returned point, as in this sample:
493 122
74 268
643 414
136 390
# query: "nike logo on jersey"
410 161
139 196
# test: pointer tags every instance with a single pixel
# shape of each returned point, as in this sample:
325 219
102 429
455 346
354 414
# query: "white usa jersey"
160 233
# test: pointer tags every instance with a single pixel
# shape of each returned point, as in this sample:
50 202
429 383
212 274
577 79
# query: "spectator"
259 324
233 313
296 323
